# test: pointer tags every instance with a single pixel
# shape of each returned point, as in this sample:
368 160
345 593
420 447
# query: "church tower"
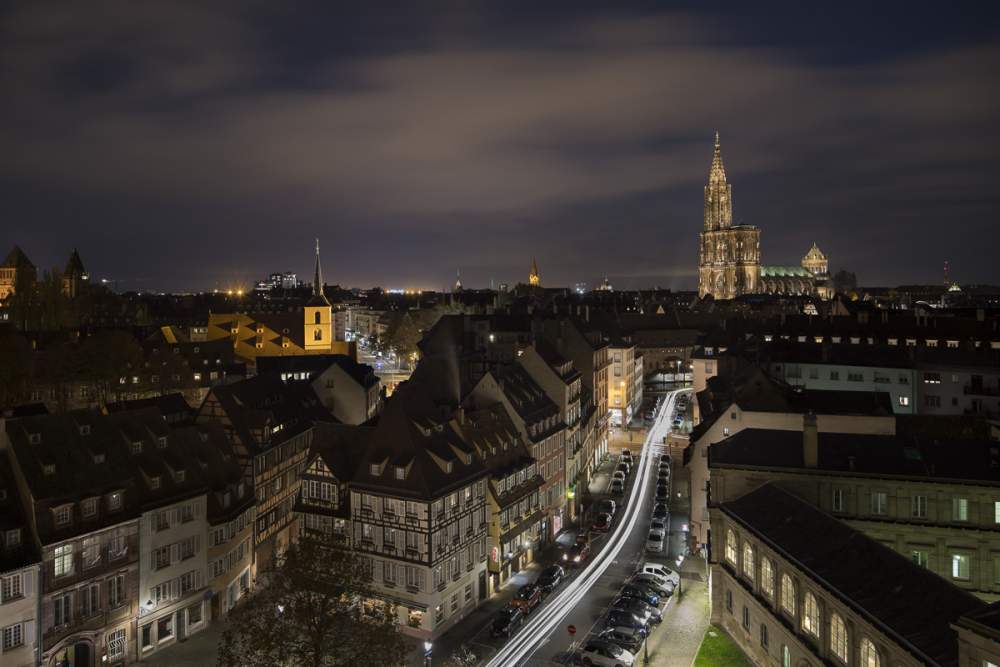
534 279
729 256
318 315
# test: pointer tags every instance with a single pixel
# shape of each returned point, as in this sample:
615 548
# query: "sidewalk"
196 651
676 642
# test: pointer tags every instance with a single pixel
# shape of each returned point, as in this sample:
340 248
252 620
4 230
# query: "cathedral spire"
717 174
534 279
318 277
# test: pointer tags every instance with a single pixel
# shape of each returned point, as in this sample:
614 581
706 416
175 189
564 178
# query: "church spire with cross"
318 299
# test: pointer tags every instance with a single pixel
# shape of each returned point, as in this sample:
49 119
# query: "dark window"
729 601
317 318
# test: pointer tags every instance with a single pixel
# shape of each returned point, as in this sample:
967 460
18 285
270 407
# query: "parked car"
608 506
602 523
662 492
660 511
628 638
617 488
527 598
661 571
663 478
646 612
627 454
624 467
619 475
658 525
577 554
507 622
550 578
625 619
654 584
600 653
641 592
654 543
664 458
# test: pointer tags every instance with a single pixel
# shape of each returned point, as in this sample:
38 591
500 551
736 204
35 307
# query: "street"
584 599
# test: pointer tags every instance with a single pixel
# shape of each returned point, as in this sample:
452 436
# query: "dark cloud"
200 145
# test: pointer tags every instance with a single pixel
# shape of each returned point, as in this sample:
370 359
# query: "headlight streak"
526 642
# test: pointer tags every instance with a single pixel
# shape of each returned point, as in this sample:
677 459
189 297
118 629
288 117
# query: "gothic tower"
534 279
318 315
729 256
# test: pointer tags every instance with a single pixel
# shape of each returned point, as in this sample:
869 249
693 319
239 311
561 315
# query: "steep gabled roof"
16 259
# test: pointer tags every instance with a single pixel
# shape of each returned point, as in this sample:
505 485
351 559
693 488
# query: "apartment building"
19 576
517 518
541 426
418 509
935 501
623 401
269 425
563 385
75 476
349 390
794 586
230 514
324 504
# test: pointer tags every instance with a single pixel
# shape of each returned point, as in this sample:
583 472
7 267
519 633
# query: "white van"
661 571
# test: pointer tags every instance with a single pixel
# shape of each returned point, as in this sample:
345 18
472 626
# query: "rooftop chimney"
810 440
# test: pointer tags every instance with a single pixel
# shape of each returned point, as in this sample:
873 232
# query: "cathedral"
729 255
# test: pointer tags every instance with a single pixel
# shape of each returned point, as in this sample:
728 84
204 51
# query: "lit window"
960 567
919 507
788 595
731 546
904 401
63 515
919 557
960 509
748 561
810 615
63 560
838 637
869 654
767 577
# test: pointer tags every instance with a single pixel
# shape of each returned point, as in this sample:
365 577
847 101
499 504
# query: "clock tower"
318 315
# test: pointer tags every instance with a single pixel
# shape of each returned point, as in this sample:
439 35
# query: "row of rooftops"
109 468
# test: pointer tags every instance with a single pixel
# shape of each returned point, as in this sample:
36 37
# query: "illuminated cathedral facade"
729 255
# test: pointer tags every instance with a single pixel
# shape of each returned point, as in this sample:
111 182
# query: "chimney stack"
810 440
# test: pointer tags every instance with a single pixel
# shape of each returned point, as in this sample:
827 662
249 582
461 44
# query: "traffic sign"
572 629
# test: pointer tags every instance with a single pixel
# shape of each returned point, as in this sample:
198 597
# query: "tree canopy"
311 612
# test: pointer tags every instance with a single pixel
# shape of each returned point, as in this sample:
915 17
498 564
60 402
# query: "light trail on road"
537 630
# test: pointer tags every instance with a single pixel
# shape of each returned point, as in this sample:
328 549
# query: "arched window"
810 615
838 637
748 561
869 654
788 594
317 318
731 546
318 334
767 577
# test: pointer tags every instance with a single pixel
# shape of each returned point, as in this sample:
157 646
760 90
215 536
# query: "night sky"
204 145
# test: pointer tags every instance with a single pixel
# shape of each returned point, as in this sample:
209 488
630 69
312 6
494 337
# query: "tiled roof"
16 259
314 364
911 604
964 460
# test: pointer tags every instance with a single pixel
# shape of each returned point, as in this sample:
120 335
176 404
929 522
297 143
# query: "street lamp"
428 648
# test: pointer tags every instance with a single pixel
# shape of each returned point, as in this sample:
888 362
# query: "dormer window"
13 538
88 508
137 447
63 515
35 438
154 482
115 501
161 442
227 499
400 472
449 466
179 476
85 429
98 458
49 469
